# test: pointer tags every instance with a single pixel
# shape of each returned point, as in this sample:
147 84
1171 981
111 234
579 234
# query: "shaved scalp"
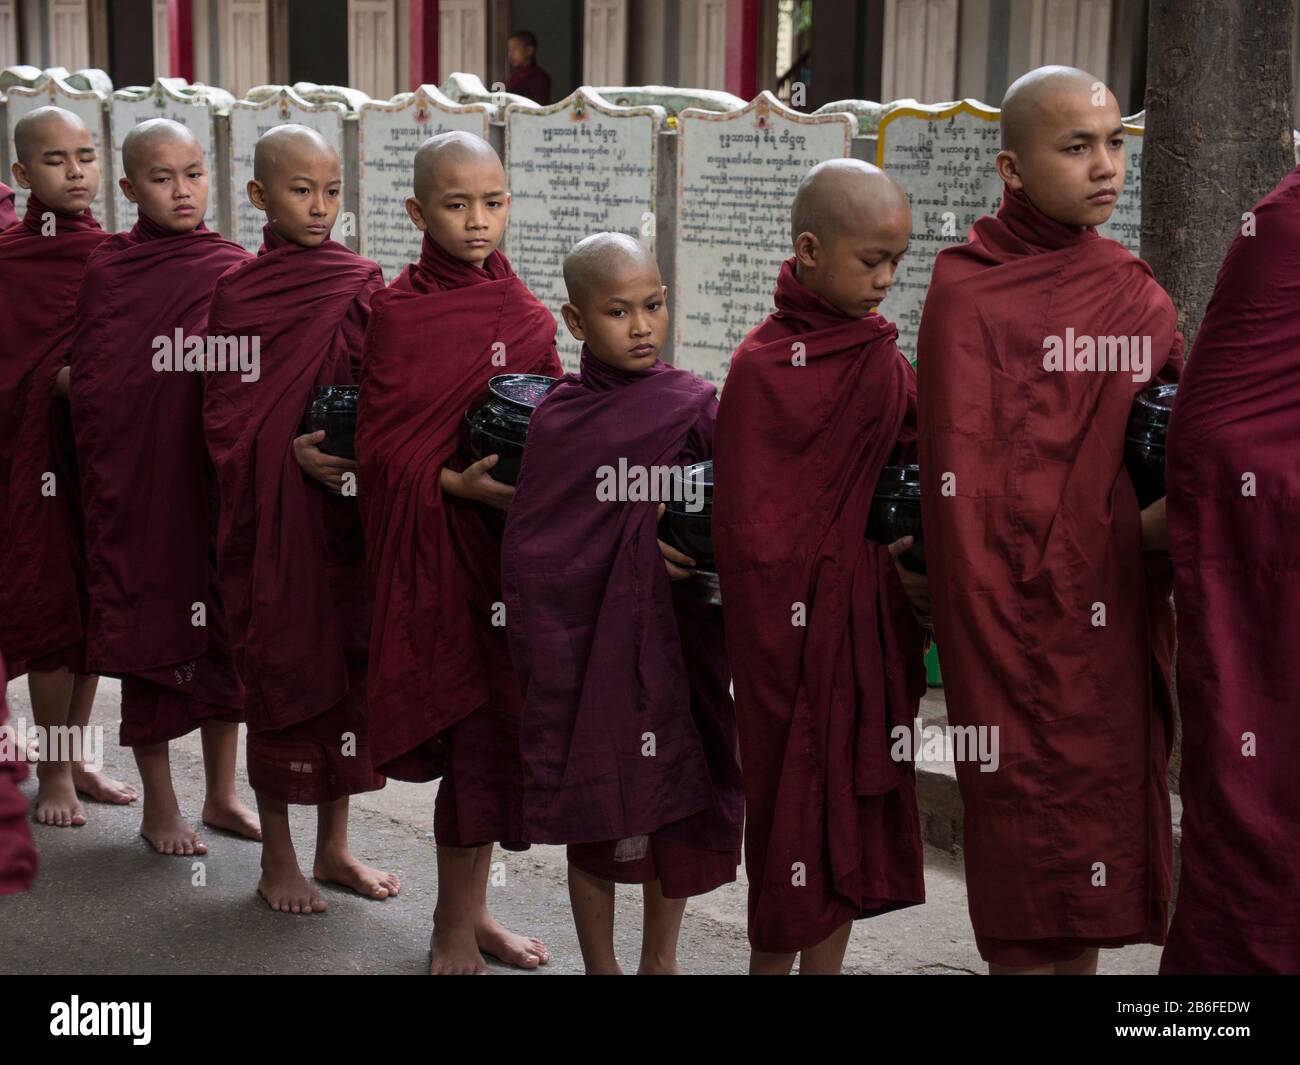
147 136
454 148
837 196
1024 105
283 144
598 259
31 129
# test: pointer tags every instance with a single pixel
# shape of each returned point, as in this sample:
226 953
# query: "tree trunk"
1218 135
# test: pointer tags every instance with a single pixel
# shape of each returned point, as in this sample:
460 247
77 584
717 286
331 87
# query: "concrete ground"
104 902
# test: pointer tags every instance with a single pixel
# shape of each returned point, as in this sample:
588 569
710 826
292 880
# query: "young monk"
442 694
17 852
42 565
824 648
1054 627
608 652
155 614
289 548
1233 487
8 215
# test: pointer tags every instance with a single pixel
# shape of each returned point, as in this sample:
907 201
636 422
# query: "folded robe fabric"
436 336
826 655
8 214
17 851
1053 627
147 490
595 636
1234 532
290 555
42 578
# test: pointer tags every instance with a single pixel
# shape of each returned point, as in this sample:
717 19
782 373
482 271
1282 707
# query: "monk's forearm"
1155 528
451 482
62 383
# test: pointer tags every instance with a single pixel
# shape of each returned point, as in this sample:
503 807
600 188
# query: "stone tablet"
577 167
86 104
390 134
736 177
193 106
249 119
944 156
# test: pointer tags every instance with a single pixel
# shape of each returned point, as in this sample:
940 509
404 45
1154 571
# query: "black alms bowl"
1144 442
689 514
334 409
497 421
896 512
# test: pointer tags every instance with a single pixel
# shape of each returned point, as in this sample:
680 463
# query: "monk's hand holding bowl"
678 564
327 469
1155 531
915 585
477 484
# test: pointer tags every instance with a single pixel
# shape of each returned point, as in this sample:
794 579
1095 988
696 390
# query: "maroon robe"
531 81
290 554
442 695
8 214
147 490
598 645
1237 588
42 569
832 829
1068 844
17 851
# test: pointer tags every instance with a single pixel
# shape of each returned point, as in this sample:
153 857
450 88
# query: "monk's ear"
807 248
128 190
1009 169
573 319
415 210
257 194
20 175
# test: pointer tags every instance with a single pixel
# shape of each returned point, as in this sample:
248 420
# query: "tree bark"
1218 135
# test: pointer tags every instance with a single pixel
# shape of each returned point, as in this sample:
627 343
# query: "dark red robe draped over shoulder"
826 656
442 695
598 646
1233 475
1052 625
290 554
8 214
42 570
147 490
17 851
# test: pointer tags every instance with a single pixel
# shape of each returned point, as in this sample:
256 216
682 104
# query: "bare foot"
57 803
286 890
234 817
102 788
454 953
346 870
651 969
523 952
171 834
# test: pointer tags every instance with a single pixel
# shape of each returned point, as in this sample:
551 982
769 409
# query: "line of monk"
545 653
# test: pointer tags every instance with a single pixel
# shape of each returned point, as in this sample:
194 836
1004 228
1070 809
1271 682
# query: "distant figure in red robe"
1234 533
8 214
42 558
290 555
1054 626
629 733
826 653
442 692
138 356
17 852
526 77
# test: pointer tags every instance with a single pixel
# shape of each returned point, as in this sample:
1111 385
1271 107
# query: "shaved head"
600 259
145 138
1028 103
36 128
285 145
439 154
841 196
